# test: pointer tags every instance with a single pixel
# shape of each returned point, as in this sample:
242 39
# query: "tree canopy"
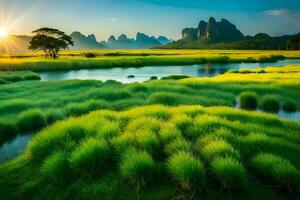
50 40
294 42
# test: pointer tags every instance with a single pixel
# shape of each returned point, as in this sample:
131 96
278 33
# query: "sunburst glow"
3 32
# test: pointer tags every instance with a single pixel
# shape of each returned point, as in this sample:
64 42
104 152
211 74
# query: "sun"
3 33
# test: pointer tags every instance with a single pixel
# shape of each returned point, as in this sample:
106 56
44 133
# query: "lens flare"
3 33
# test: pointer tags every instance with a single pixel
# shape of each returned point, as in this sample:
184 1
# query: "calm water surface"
144 73
295 116
14 147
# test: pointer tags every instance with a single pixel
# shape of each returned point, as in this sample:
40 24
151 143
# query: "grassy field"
135 58
174 138
157 152
16 76
43 103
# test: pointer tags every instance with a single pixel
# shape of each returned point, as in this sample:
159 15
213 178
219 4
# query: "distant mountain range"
208 35
85 42
142 41
19 44
225 35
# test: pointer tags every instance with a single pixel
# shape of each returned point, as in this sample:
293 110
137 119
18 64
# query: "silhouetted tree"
49 40
294 42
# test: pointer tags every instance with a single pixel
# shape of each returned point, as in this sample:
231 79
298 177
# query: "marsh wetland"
178 135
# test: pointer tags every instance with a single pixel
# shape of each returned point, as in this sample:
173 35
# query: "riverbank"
74 60
33 104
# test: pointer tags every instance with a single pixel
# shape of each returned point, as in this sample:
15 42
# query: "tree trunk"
46 53
55 52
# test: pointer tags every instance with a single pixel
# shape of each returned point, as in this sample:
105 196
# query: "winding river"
12 148
142 74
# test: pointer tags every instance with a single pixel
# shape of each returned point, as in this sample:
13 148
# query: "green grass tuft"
8 130
182 122
152 78
270 104
248 100
32 77
137 167
229 172
289 106
147 140
169 133
122 143
108 129
277 170
163 98
178 145
187 170
77 109
131 76
53 115
175 77
202 125
91 156
211 148
56 169
2 82
31 120
61 136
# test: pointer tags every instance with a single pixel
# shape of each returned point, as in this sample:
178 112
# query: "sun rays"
10 20
3 32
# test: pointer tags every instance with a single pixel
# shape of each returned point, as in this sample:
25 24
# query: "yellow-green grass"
135 58
145 52
71 160
57 100
287 75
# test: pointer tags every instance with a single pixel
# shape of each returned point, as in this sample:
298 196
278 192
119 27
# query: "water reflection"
144 73
290 115
14 147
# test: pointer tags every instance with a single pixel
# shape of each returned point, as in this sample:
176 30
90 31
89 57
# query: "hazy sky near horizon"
153 17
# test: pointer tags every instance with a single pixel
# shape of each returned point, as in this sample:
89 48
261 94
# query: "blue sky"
154 17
